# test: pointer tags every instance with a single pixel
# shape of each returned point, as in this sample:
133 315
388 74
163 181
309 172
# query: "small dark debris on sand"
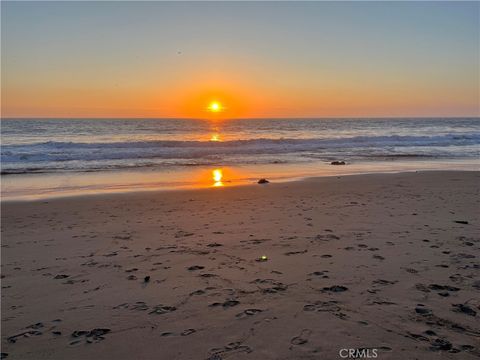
263 181
338 163
146 279
464 222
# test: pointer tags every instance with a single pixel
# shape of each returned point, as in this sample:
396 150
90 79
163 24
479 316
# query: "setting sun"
215 106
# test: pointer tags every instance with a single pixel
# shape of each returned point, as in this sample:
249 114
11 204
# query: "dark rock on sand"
146 279
461 222
263 181
464 309
338 163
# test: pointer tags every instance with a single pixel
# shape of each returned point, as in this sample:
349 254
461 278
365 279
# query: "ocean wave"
71 151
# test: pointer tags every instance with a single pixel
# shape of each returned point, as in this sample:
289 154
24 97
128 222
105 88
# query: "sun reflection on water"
217 176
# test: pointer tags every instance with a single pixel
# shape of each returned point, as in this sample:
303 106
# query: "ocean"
44 156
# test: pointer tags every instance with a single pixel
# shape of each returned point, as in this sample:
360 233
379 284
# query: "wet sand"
386 261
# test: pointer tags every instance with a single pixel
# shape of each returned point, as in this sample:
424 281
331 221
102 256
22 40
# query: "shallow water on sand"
38 186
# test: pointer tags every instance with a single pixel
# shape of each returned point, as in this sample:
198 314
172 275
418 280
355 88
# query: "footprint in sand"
231 348
195 267
302 338
247 313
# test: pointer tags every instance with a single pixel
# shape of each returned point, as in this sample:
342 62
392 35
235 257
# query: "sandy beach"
387 263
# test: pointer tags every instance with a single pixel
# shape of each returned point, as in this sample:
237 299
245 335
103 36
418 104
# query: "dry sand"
366 261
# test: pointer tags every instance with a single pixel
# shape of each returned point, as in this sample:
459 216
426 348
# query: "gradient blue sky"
283 59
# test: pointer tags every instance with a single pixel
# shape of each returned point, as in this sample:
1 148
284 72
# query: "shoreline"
364 261
147 181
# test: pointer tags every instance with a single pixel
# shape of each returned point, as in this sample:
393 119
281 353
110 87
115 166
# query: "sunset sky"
257 59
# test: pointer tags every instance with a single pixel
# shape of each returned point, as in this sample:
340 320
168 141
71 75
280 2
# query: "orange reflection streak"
217 176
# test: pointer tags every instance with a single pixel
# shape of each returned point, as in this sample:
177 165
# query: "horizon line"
239 118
